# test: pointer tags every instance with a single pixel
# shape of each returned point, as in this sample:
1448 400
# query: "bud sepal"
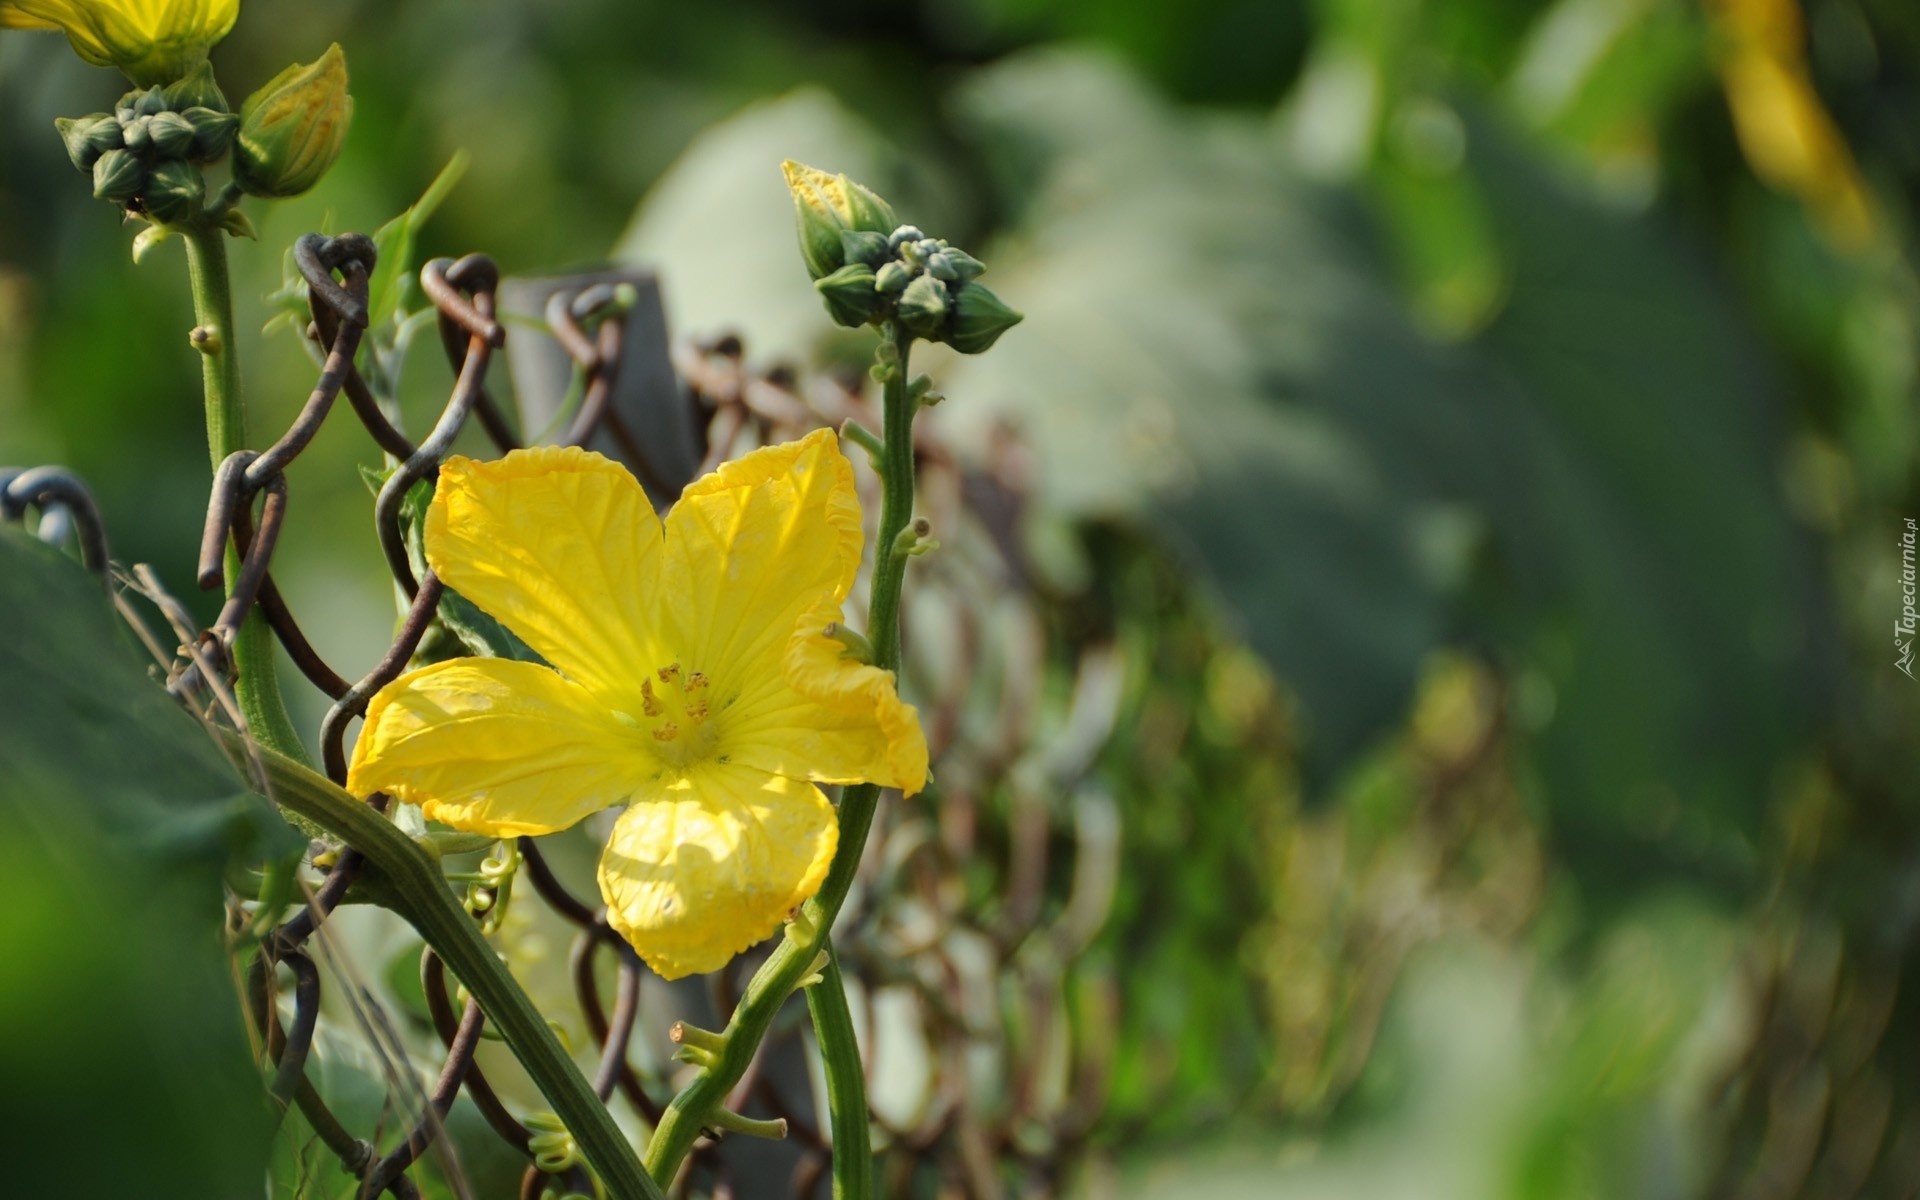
979 318
850 295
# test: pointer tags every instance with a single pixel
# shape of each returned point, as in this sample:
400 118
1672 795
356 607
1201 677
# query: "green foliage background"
1551 463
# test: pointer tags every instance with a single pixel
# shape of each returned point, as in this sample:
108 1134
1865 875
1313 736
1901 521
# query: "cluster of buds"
870 269
144 155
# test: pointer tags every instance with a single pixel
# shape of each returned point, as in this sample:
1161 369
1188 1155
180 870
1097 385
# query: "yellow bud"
829 206
150 42
292 129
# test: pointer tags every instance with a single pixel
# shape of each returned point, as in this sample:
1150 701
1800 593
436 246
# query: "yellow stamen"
666 732
669 673
696 680
649 704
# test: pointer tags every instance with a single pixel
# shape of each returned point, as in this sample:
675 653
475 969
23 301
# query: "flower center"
676 707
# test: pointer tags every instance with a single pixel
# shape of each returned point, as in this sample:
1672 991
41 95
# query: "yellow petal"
827 194
495 746
700 869
561 546
24 14
828 718
153 41
752 547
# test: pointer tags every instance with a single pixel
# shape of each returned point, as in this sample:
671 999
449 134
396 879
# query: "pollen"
669 673
667 732
649 703
697 710
696 680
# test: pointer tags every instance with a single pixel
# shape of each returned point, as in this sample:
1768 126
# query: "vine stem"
418 892
807 937
256 687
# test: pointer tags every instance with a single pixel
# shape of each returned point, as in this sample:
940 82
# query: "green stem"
423 898
256 688
787 965
846 1083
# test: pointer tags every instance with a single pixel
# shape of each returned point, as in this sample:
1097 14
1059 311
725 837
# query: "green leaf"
1212 346
1588 486
719 226
83 717
1653 574
117 817
395 242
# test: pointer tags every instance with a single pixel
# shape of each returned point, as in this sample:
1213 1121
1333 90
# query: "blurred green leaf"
718 227
1646 561
83 718
127 1069
1211 346
1591 480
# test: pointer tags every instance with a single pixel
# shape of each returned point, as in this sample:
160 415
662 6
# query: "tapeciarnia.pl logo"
1904 627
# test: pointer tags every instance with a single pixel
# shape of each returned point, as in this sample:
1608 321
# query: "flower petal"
828 718
752 547
561 546
700 869
494 746
26 14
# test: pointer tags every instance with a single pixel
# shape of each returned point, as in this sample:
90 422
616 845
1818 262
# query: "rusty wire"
337 272
910 919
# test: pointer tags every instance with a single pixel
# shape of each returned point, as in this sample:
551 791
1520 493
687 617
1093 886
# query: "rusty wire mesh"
994 978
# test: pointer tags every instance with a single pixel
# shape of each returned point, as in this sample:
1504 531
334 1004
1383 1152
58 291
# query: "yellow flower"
152 41
692 681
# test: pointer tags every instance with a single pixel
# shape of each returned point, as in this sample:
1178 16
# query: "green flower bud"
213 132
172 134
149 102
892 278
923 306
291 130
138 132
965 266
941 267
118 176
903 234
849 294
196 89
87 138
173 189
863 246
826 206
979 318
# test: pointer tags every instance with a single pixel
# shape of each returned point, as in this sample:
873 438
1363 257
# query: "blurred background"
1444 530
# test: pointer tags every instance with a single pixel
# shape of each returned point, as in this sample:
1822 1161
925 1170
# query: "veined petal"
561 546
828 718
494 746
751 547
27 14
153 41
702 867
